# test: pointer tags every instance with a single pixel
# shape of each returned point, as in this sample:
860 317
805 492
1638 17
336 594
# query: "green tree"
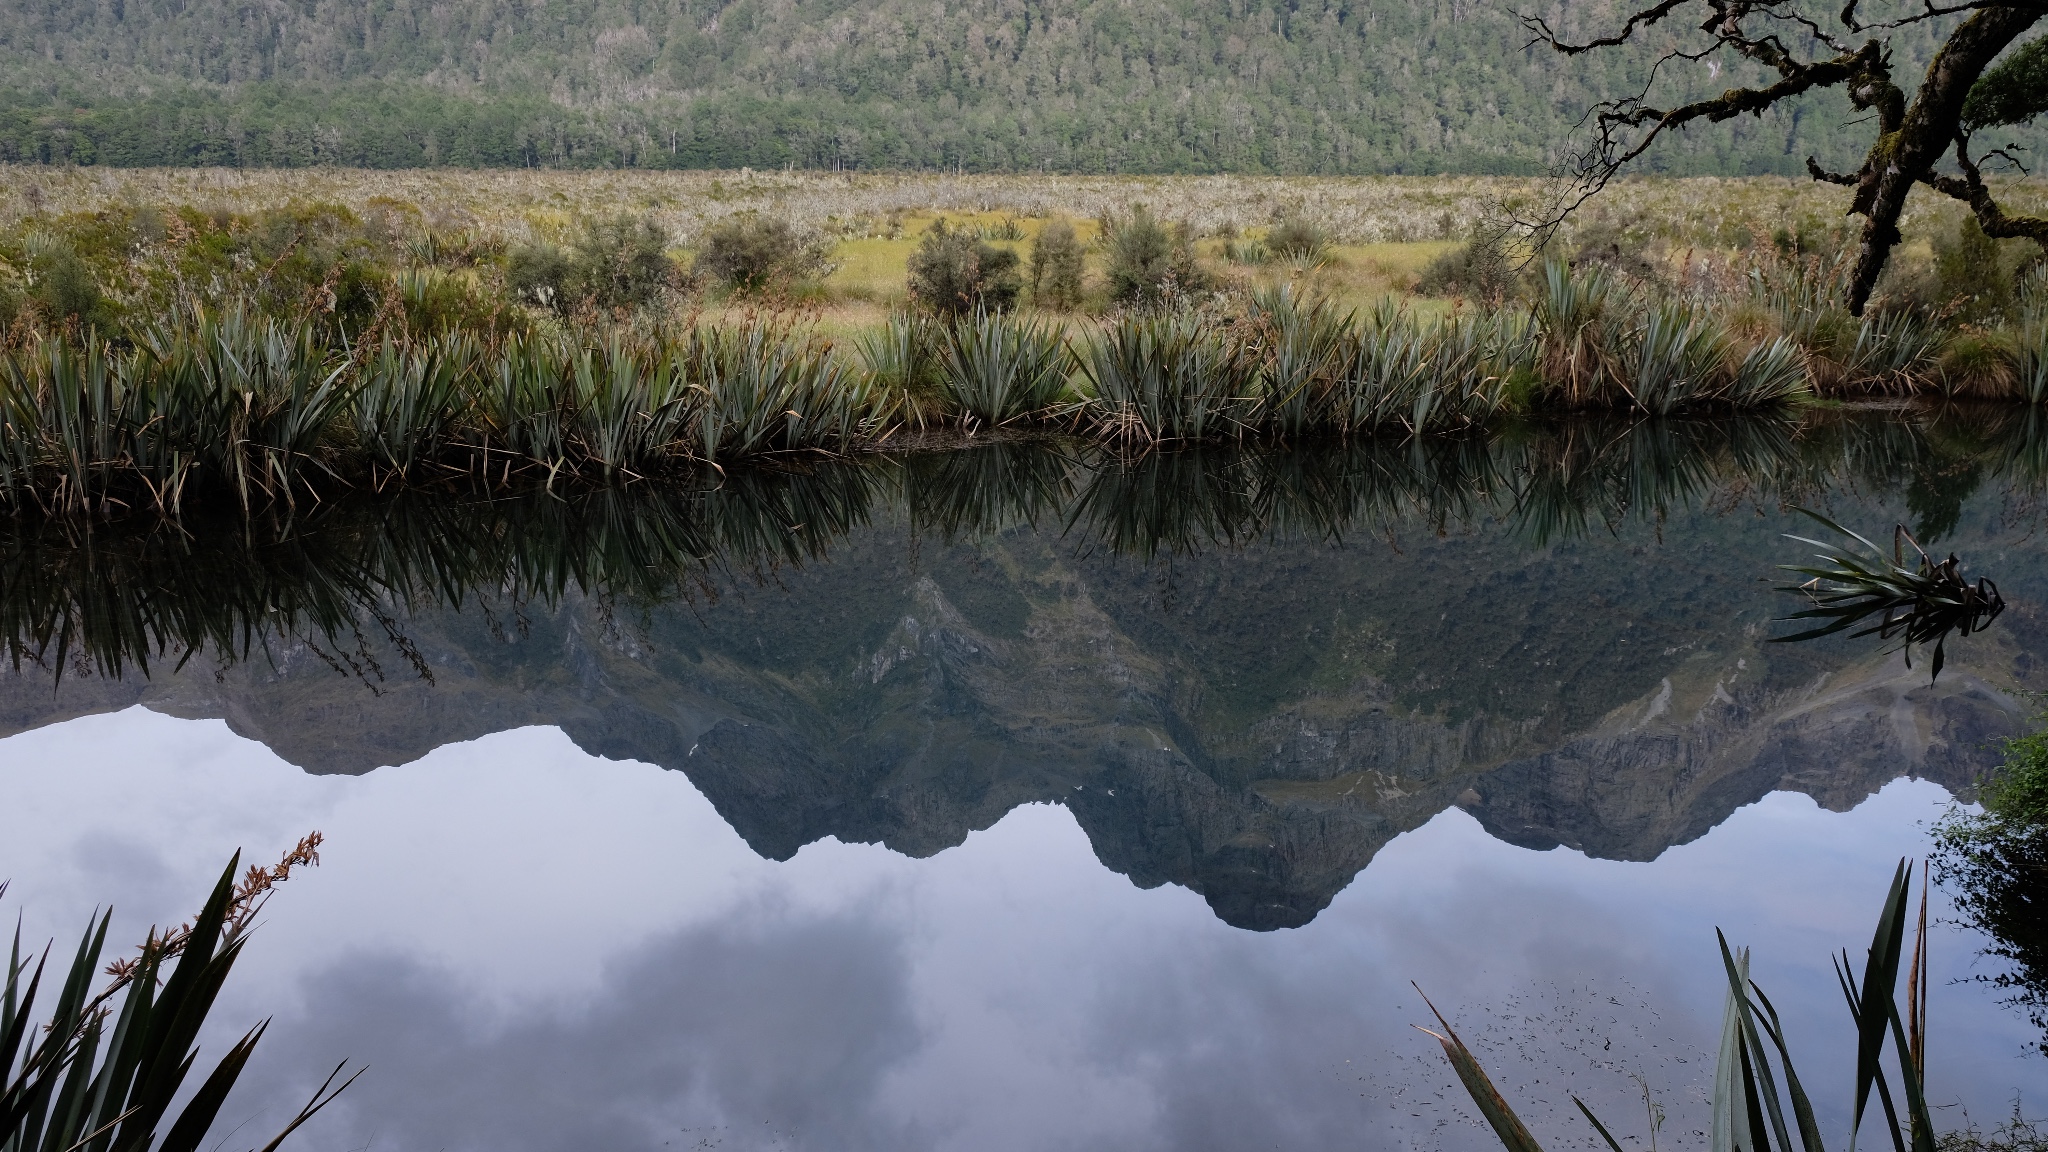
1056 266
1149 260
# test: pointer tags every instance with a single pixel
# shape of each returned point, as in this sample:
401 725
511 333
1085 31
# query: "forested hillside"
1293 86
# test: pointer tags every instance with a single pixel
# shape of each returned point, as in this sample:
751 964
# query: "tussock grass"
175 332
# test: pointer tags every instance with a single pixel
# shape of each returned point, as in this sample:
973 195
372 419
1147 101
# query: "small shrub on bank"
1149 260
1975 278
1478 269
1623 247
623 262
63 288
1056 266
1252 253
1298 239
748 252
541 275
953 272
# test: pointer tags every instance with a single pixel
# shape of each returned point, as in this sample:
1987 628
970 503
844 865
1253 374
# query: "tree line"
1166 86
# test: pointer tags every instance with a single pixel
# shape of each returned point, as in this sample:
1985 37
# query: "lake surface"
1016 798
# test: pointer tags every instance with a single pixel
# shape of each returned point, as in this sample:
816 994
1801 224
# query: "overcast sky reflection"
534 948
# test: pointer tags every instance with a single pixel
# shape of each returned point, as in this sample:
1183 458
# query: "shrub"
748 252
1150 261
1297 238
623 262
1252 252
1976 363
2030 356
1056 266
997 369
617 263
953 273
1169 376
1424 375
902 362
541 275
1620 246
62 286
1970 279
1478 268
67 289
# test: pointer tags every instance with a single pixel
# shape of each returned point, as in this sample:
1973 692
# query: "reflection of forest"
1243 672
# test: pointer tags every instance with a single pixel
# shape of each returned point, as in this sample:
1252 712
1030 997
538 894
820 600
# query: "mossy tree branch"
1913 134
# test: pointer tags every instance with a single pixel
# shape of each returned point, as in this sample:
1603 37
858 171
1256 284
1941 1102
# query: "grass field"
1365 210
1385 230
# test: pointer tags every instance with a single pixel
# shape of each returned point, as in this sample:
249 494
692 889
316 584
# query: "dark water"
1020 798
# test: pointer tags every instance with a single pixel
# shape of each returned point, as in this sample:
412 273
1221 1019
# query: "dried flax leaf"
1514 1135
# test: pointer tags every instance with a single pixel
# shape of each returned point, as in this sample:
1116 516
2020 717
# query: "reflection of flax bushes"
985 490
1592 472
1180 502
341 574
339 577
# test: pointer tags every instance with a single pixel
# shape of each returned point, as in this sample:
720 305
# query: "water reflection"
533 949
132 592
1242 672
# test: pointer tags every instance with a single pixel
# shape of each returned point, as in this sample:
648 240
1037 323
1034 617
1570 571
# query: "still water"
1015 799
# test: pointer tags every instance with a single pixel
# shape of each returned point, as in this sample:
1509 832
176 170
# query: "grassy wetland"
273 338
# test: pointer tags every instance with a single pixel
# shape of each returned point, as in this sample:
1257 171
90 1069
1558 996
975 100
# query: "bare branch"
1931 12
1726 106
1642 19
1811 26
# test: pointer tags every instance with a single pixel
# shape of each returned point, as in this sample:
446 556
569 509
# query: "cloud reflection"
537 949
777 1034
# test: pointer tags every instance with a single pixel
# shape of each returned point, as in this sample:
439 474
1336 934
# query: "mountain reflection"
1243 671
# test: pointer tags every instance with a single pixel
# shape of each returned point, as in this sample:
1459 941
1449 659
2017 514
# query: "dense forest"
1283 86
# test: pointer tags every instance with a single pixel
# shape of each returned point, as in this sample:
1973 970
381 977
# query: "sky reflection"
536 948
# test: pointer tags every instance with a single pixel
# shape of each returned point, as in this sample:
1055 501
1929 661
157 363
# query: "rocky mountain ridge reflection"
1242 672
